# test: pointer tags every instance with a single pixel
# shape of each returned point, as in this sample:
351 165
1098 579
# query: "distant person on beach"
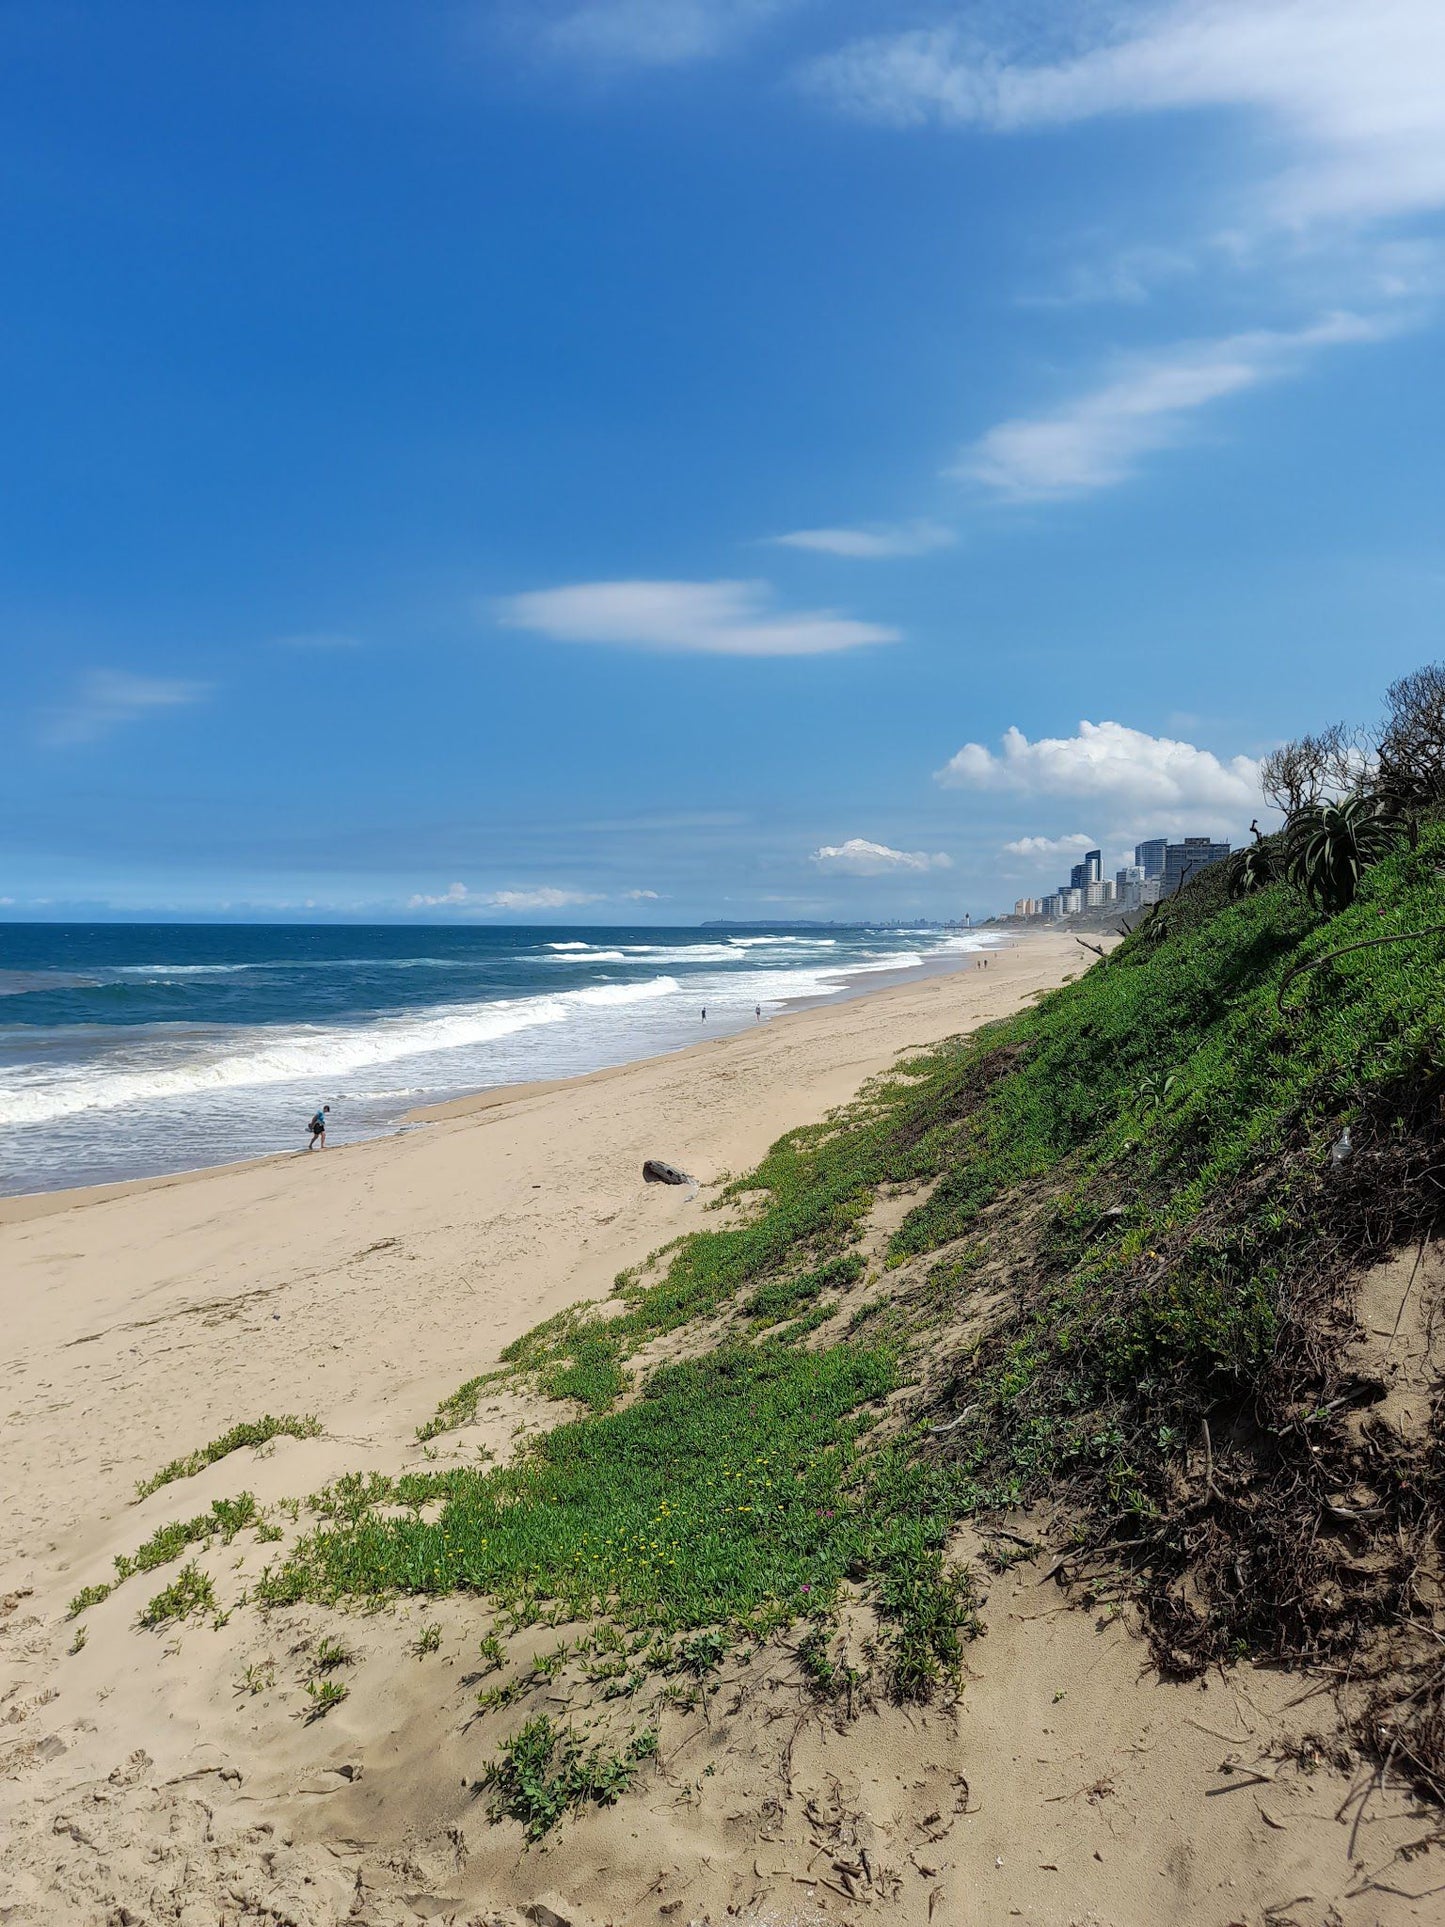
758 1012
318 1130
704 1013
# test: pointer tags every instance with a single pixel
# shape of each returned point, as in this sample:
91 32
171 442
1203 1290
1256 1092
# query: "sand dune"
173 1776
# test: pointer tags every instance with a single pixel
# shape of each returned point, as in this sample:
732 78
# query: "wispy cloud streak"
657 33
1353 94
689 618
107 699
870 544
1098 439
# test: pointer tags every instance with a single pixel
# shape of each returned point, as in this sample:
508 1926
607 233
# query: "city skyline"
1160 868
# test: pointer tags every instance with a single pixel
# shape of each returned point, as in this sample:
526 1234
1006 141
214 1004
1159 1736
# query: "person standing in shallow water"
704 1013
318 1130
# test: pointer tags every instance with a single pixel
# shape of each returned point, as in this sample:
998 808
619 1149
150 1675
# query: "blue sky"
638 460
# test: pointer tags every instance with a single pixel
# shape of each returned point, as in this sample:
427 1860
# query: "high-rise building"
1150 856
1093 896
1078 876
1071 902
1185 860
1093 866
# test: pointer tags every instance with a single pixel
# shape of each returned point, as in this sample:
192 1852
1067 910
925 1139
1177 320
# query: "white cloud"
542 897
657 33
642 896
106 699
1044 849
454 893
1126 769
860 858
1351 92
701 618
1098 439
872 544
1130 277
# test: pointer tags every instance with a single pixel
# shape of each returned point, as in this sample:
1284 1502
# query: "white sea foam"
160 972
297 1053
901 960
98 1099
752 943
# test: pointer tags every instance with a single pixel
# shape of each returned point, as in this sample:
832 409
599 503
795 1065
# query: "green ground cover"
249 1432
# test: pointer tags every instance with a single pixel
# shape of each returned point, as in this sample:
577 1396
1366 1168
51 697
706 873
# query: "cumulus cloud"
697 618
657 33
1125 769
107 699
1350 94
870 544
1044 849
860 858
1099 438
642 896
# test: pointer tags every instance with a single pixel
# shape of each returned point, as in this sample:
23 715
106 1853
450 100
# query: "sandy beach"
139 1783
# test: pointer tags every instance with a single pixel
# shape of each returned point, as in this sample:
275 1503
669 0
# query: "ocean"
128 1050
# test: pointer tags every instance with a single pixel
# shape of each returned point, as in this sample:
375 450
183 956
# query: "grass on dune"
736 1491
1185 1122
226 1518
249 1432
189 1594
546 1770
806 1205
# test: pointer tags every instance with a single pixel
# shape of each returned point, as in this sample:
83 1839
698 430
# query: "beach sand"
140 1782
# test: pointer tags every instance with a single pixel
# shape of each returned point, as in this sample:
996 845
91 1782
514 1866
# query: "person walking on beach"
758 1012
704 1013
318 1130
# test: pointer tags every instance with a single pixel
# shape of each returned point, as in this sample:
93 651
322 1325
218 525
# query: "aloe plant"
1252 869
1331 845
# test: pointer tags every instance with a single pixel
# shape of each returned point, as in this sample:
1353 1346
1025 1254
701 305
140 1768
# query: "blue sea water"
129 1049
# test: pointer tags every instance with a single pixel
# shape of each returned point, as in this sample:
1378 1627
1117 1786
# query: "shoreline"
876 984
20 1207
514 1202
